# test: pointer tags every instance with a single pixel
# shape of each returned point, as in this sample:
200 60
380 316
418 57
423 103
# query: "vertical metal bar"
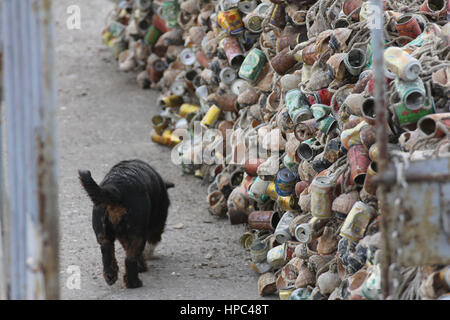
47 163
31 148
3 244
377 38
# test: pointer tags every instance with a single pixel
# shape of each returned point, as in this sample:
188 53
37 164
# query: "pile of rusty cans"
272 104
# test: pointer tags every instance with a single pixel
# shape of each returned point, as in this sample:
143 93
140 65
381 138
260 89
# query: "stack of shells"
298 72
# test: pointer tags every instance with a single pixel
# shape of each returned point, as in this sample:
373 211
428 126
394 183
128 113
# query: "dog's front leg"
133 248
110 268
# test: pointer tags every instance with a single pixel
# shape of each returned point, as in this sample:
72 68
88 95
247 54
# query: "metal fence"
28 183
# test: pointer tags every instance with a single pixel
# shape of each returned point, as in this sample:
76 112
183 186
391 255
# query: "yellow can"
106 37
271 191
287 203
285 293
167 138
171 101
211 117
186 109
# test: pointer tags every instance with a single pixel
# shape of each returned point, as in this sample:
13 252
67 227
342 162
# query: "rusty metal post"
377 41
31 189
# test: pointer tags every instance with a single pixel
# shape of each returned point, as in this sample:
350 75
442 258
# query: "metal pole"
31 148
377 39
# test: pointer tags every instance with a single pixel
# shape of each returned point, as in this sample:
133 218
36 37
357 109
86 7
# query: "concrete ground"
104 117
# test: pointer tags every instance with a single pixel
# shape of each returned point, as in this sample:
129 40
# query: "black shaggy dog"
130 205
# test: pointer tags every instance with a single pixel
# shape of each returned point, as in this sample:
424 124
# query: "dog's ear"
169 185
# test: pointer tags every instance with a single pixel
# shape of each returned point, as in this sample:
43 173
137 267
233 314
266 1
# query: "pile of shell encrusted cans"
272 104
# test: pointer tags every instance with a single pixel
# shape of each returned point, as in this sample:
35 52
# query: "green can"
117 29
169 12
412 93
152 35
405 116
327 124
297 106
320 111
252 65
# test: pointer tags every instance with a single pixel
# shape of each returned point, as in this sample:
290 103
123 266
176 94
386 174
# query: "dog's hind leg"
134 261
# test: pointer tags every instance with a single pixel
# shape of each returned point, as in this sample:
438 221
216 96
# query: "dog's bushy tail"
98 195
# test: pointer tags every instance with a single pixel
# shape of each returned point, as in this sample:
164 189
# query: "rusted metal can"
428 125
408 26
159 123
297 106
322 189
305 130
263 220
233 51
308 55
358 158
307 232
252 65
357 220
367 135
288 41
246 240
370 186
278 16
308 149
282 233
231 21
251 166
237 216
253 22
211 117
202 59
300 187
405 116
336 66
354 61
437 7
258 250
402 64
171 101
412 93
350 6
283 61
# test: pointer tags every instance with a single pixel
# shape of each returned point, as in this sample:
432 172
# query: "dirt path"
104 118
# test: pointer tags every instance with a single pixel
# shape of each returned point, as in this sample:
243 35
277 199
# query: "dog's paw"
132 283
110 277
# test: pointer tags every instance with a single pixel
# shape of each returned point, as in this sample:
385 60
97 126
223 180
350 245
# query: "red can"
251 166
408 26
233 50
434 6
358 158
309 55
202 59
351 5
